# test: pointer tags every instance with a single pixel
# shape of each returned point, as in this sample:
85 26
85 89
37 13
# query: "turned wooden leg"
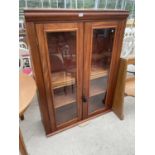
21 117
22 147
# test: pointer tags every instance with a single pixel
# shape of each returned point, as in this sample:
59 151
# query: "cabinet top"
41 15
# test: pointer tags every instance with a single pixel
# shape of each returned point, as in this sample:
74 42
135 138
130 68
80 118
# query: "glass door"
99 50
61 46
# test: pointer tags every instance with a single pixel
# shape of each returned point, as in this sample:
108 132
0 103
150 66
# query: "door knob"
84 99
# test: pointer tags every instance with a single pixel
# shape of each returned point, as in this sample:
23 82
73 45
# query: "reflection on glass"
100 64
62 55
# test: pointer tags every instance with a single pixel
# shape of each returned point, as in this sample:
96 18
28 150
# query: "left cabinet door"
61 54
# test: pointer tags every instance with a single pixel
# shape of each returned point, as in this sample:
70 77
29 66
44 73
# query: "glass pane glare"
100 64
62 56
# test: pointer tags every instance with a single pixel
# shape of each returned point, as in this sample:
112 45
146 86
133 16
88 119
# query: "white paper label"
80 14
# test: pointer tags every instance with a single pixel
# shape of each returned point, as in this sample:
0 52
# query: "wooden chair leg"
21 117
22 147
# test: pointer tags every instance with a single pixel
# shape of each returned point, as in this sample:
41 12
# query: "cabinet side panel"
118 102
43 51
34 53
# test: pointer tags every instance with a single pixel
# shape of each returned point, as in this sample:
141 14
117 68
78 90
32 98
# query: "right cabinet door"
99 53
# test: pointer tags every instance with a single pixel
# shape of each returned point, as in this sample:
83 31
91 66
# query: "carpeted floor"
105 135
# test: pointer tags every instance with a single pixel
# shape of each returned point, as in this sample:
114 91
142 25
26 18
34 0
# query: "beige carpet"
105 135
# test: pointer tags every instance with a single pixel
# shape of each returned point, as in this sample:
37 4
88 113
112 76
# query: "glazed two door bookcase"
75 57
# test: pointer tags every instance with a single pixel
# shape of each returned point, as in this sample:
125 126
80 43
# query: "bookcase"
75 56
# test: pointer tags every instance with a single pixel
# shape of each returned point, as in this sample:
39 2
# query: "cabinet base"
77 123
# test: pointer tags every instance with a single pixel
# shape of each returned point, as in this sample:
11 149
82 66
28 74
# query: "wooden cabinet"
75 57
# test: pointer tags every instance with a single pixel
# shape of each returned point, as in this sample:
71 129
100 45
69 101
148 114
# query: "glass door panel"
100 64
62 56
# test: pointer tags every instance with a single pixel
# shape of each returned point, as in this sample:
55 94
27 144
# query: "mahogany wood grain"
39 22
89 27
123 86
115 62
118 101
41 36
111 76
87 68
79 53
58 27
35 56
42 15
46 66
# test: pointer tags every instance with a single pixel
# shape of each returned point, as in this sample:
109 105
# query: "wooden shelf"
61 100
97 92
61 79
98 86
97 72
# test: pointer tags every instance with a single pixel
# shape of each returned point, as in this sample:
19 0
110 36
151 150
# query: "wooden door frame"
42 29
88 40
37 69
